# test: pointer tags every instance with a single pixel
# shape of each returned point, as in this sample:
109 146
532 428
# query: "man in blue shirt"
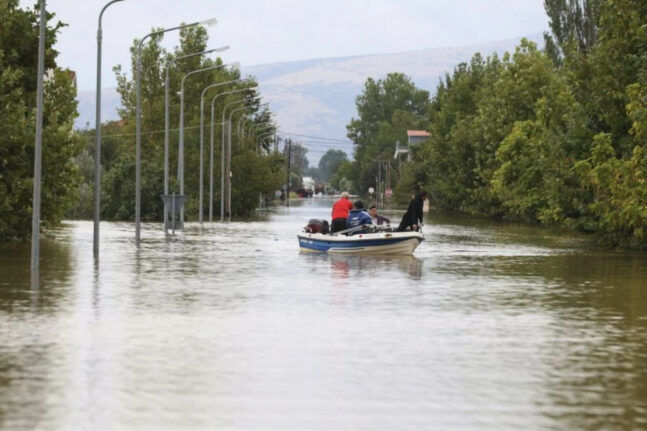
358 216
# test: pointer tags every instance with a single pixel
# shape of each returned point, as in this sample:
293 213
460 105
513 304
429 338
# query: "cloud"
268 31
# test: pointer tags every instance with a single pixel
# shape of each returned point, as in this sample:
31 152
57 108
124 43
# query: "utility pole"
287 183
379 181
388 182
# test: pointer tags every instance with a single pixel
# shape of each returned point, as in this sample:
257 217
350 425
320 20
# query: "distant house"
413 137
417 136
49 74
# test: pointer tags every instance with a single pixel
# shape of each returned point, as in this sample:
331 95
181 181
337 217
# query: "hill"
317 97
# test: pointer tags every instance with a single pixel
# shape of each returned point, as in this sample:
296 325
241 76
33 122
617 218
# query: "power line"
313 140
317 137
147 133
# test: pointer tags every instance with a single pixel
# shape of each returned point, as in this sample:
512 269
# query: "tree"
329 163
18 79
450 158
343 178
618 188
298 163
386 109
574 24
118 183
615 63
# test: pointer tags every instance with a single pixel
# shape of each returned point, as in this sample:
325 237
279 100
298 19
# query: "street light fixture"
97 144
181 145
224 176
213 101
166 118
268 130
202 137
260 127
138 179
38 145
264 136
241 124
231 114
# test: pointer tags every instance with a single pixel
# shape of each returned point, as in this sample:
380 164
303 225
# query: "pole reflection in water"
35 287
228 326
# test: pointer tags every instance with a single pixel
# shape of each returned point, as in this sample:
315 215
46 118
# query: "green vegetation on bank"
554 136
60 175
255 169
68 155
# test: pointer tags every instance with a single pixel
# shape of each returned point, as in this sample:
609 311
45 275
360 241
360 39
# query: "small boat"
362 239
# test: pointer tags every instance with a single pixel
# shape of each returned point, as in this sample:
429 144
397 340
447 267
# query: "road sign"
388 192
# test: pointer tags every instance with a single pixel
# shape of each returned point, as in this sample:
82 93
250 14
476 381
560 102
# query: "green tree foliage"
529 138
574 25
298 159
386 109
329 163
534 180
451 156
619 192
252 162
614 64
18 80
254 175
342 178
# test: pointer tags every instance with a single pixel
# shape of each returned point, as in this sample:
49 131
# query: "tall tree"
386 109
574 24
18 78
329 163
119 180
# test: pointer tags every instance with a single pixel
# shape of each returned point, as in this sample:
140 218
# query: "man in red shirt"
340 211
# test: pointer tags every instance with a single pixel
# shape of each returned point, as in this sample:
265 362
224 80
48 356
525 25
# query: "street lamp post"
166 119
241 124
231 114
181 145
213 101
224 176
261 127
138 140
264 136
97 144
202 137
38 144
264 132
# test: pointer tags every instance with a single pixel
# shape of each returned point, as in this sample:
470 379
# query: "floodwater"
489 326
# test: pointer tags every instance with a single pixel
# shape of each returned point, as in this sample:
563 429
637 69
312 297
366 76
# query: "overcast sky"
268 31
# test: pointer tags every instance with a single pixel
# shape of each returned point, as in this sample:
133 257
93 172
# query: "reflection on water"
356 266
229 326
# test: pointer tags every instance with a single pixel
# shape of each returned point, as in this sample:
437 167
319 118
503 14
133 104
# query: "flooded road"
228 326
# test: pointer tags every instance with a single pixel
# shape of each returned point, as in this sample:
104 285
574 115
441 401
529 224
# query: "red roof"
423 133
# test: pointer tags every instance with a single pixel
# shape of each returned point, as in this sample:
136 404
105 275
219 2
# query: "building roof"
421 133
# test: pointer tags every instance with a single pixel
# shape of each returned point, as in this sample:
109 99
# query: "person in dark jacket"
412 219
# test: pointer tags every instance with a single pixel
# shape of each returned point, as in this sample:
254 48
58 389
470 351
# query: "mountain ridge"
316 96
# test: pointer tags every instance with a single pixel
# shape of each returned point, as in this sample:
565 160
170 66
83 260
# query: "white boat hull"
380 243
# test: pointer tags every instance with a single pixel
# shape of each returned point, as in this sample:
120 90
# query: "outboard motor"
316 225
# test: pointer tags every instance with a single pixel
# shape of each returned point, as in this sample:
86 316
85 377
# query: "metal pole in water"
38 144
173 214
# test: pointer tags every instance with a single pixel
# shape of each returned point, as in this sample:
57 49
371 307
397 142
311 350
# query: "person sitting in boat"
358 216
377 219
412 219
340 211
